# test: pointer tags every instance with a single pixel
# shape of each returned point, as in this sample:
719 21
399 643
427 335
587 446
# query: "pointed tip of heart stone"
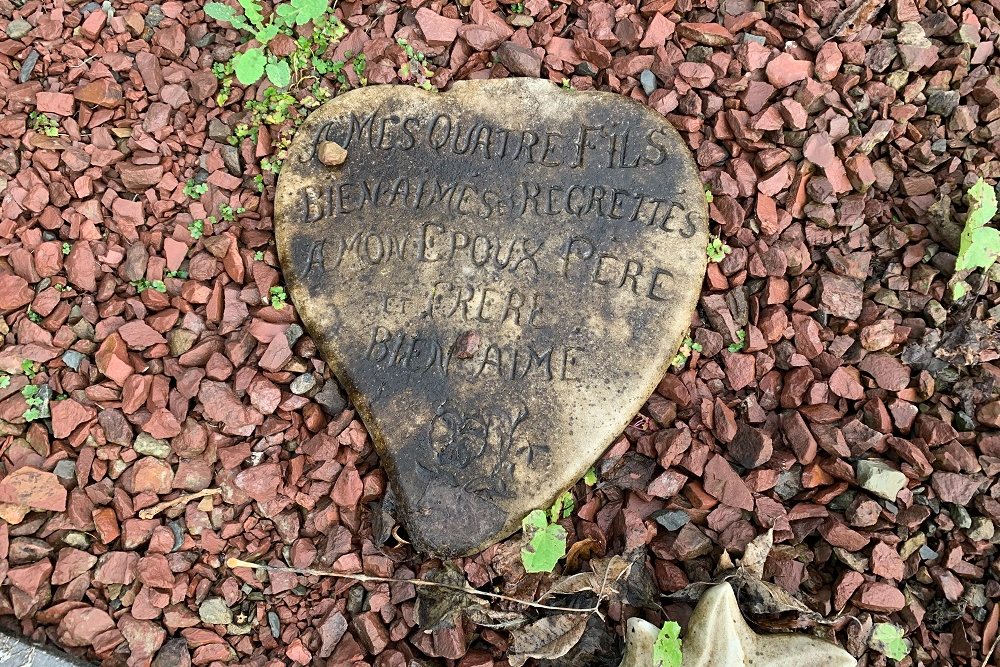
565 230
450 521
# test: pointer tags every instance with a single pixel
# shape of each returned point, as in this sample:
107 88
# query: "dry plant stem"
986 659
236 562
151 512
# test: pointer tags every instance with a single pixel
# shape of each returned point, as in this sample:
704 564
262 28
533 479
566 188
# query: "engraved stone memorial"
499 275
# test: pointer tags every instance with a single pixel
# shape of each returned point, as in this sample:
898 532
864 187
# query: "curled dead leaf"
549 638
755 555
765 604
605 579
582 551
771 606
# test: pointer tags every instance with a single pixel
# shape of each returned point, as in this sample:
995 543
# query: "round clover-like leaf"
249 65
279 73
310 10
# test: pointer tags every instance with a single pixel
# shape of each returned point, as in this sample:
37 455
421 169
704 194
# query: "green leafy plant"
590 478
258 182
415 69
34 401
67 248
667 647
33 316
717 250
684 353
195 190
42 124
546 542
224 73
254 62
176 274
259 256
273 166
229 213
567 84
979 245
517 8
143 285
741 341
274 109
28 368
197 229
563 507
360 62
244 131
4 381
278 297
888 640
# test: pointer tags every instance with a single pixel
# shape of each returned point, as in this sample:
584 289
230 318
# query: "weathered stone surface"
24 653
558 237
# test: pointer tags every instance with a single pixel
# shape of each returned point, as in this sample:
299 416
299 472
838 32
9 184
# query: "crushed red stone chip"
33 488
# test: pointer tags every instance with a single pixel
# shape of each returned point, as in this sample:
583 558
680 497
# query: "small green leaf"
310 10
279 73
4 381
221 12
249 65
980 248
590 478
741 343
287 11
546 545
888 640
562 507
983 203
959 289
667 647
267 33
252 10
979 245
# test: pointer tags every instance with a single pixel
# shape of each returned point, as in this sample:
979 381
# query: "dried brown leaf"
605 580
581 551
755 555
549 638
609 573
725 563
855 16
771 606
600 646
638 588
693 591
488 617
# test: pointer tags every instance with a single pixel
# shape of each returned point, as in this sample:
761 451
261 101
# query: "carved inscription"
499 275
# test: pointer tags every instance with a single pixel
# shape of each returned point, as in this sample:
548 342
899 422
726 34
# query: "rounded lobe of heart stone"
499 275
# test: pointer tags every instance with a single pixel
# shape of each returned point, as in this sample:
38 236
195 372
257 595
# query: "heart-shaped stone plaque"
499 275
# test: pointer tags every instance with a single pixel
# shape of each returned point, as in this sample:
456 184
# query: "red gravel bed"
837 167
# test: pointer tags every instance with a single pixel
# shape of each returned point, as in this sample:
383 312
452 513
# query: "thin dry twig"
151 512
309 572
989 654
